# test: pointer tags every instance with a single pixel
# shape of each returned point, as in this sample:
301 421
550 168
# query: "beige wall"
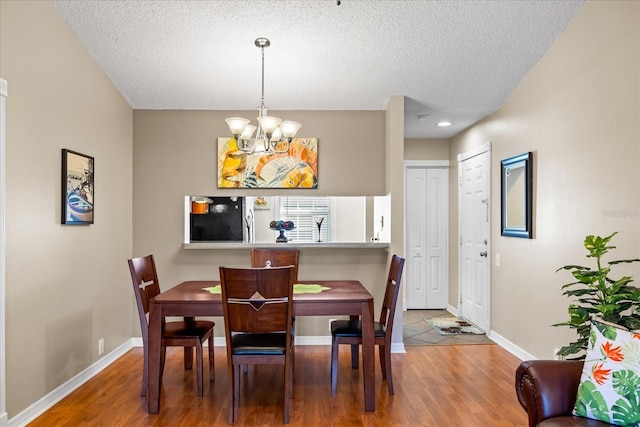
175 155
426 149
66 286
395 188
578 111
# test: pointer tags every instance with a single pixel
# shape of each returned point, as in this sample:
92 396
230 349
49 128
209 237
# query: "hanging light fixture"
273 135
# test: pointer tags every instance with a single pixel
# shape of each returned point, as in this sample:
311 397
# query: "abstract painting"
295 168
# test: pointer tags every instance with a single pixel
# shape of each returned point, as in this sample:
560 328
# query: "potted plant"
597 294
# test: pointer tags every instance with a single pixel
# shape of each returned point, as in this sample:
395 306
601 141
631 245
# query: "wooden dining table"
190 299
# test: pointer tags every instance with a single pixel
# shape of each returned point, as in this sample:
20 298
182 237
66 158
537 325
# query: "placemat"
298 288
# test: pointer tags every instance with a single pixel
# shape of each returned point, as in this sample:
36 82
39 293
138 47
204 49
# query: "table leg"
355 349
155 348
368 359
188 351
188 358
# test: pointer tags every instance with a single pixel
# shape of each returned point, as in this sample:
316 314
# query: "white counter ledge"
310 245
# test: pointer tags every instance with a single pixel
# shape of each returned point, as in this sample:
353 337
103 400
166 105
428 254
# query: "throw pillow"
609 388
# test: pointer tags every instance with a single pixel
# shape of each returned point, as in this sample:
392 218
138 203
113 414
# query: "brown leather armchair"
547 390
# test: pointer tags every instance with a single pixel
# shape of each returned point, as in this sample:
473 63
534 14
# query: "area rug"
453 326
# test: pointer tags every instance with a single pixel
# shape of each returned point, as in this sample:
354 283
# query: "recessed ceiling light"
444 124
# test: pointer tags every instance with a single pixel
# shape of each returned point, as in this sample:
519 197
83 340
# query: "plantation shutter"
302 210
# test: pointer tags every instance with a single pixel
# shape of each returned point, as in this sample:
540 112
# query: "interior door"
426 272
474 226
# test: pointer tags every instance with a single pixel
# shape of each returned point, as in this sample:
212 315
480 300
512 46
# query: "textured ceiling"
452 60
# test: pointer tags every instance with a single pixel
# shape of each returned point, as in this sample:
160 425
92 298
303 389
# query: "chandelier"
273 134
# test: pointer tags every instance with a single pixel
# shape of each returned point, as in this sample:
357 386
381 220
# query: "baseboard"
4 421
313 340
501 341
398 347
453 310
46 402
510 347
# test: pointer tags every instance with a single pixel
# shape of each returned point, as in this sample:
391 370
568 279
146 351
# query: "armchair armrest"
547 388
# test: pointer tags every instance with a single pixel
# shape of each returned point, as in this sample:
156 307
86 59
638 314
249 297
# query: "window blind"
303 211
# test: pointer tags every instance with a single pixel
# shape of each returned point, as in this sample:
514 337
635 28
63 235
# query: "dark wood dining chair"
350 331
277 257
281 257
188 333
257 304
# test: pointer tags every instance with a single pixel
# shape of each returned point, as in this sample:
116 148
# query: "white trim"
474 152
453 310
398 347
3 264
59 393
313 340
426 163
187 219
510 347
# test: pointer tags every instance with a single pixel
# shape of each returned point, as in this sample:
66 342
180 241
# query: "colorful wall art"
77 188
296 168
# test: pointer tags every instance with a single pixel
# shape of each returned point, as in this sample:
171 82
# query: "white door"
426 272
474 225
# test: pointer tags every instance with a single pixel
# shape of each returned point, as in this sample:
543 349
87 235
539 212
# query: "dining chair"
350 331
188 333
281 257
257 305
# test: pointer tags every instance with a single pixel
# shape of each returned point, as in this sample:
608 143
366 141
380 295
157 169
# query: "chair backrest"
145 286
257 300
276 258
391 293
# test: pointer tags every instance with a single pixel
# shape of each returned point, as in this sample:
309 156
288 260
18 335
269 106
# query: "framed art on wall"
297 167
77 188
517 199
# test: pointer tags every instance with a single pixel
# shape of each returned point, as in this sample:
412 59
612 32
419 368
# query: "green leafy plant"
596 294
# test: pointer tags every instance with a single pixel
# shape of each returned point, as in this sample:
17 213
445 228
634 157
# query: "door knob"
483 253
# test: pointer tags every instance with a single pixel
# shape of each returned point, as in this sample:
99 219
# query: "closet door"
426 237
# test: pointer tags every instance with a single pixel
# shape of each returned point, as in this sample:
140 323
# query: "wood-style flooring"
439 386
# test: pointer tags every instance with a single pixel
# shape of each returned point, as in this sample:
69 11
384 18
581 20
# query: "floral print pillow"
609 388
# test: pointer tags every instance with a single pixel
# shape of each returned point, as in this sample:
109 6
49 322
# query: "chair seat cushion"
353 328
572 421
181 329
259 344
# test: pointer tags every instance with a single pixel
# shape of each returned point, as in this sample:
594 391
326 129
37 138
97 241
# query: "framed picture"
517 190
77 188
296 167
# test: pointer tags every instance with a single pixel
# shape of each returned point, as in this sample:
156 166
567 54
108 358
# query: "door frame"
485 147
414 164
3 264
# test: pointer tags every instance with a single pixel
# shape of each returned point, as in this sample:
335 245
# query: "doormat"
453 326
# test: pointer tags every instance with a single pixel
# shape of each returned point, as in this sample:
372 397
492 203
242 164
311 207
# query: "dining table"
193 298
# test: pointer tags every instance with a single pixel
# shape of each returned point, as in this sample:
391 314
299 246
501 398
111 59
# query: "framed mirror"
517 196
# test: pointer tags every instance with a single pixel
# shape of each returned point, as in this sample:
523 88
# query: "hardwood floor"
465 386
